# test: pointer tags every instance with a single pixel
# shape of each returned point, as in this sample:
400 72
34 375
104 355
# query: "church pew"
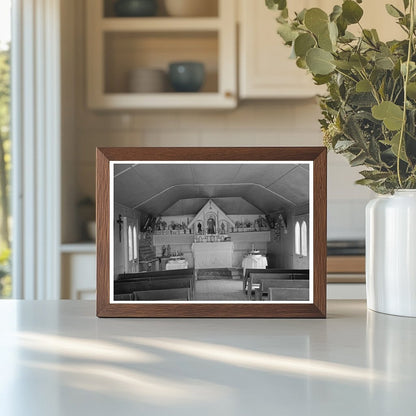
275 273
124 296
158 284
130 286
121 285
252 276
165 294
155 274
266 284
289 294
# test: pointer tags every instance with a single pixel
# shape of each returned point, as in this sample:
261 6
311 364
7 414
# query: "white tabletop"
57 358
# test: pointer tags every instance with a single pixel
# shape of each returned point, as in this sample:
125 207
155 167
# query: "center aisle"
219 290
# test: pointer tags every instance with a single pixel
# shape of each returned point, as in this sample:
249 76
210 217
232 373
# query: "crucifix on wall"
120 226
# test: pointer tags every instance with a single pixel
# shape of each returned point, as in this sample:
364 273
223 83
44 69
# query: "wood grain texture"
346 264
317 309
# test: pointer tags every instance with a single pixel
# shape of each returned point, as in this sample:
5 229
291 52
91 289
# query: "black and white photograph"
211 232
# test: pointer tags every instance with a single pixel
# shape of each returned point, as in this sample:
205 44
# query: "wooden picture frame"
314 157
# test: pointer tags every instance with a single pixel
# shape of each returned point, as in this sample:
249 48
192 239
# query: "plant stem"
405 81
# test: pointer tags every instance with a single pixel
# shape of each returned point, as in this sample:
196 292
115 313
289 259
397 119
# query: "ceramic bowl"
135 8
191 8
147 80
186 76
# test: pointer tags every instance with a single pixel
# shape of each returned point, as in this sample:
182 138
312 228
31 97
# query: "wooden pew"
289 294
275 273
157 284
165 294
171 279
266 284
254 276
124 296
155 274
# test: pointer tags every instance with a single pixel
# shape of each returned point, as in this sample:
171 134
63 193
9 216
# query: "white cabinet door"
78 276
265 68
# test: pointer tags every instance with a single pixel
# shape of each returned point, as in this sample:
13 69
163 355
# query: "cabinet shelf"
116 46
198 100
160 24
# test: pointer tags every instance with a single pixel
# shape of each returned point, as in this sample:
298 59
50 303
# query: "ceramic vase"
391 253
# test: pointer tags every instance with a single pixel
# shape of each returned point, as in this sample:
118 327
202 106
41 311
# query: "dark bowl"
135 8
186 76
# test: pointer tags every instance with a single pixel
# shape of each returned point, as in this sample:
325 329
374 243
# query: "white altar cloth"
254 261
176 264
213 255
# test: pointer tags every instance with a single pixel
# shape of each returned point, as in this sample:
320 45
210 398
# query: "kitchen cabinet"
78 262
265 70
118 45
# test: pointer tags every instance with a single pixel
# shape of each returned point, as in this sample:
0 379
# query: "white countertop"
57 358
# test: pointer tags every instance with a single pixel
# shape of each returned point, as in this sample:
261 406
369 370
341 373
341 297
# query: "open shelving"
117 45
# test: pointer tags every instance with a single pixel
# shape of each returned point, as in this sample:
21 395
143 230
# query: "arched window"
304 239
130 243
297 238
134 243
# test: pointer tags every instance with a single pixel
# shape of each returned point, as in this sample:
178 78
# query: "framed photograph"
211 232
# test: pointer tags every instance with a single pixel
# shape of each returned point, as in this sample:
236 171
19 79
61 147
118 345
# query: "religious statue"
211 226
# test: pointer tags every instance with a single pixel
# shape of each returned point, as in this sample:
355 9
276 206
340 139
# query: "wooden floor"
219 290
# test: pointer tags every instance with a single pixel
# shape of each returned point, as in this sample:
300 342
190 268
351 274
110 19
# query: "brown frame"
317 309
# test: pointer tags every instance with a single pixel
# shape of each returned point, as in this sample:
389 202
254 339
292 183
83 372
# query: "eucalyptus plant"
369 111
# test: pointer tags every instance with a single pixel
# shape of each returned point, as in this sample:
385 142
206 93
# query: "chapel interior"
211 231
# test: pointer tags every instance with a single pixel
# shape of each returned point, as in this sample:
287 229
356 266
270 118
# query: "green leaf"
358 61
384 62
394 145
393 11
406 4
368 36
374 175
276 4
287 33
319 61
333 32
347 37
303 43
301 15
351 11
336 12
321 79
344 65
325 42
363 86
388 112
358 160
375 35
301 63
411 90
343 145
316 20
342 25
285 13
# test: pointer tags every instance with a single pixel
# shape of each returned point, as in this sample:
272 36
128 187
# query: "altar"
214 255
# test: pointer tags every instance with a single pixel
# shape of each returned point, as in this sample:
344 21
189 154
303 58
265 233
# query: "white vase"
391 253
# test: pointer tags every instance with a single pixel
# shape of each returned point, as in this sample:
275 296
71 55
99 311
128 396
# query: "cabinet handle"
229 94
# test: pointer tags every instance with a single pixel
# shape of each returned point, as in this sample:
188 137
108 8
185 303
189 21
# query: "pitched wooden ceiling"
182 189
